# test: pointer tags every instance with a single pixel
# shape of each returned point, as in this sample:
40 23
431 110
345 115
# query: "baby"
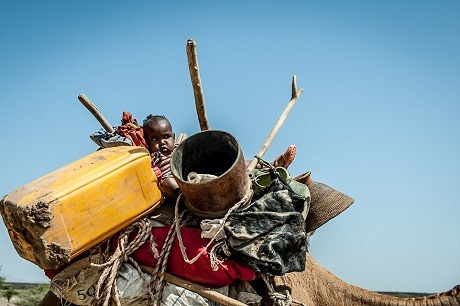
159 137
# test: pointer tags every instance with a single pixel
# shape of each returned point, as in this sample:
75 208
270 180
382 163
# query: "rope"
215 264
279 299
63 302
106 286
156 281
216 260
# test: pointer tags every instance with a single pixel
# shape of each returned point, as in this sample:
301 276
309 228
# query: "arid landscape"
22 294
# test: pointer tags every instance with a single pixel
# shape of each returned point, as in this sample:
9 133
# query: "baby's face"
159 137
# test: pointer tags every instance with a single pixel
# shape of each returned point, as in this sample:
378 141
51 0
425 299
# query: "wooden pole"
203 291
196 84
294 96
96 113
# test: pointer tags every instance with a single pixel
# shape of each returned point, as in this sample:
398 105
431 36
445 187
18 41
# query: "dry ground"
4 302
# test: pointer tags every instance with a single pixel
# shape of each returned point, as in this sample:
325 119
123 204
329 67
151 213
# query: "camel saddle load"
265 235
106 231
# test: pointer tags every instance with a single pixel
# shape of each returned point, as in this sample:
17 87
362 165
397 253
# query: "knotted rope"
106 286
157 279
63 302
279 299
215 262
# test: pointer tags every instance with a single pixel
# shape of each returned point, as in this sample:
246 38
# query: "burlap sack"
77 282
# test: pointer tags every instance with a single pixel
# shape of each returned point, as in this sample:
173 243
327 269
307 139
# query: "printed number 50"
82 295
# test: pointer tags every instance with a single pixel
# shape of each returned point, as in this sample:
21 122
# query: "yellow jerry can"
55 218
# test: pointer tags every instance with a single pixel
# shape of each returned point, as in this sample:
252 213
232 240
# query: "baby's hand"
169 188
162 162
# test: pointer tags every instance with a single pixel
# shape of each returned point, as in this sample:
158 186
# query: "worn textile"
76 283
107 140
199 272
134 290
130 129
270 234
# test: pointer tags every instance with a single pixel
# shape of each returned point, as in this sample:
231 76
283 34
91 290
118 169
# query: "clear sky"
378 120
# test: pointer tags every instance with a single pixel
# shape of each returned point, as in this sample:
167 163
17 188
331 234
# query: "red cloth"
51 273
200 271
130 129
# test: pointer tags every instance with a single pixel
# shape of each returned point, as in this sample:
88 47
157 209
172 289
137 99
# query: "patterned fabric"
270 233
161 161
107 140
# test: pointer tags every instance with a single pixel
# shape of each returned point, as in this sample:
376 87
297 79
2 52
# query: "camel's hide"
319 287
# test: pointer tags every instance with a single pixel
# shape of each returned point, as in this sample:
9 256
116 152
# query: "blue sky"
378 119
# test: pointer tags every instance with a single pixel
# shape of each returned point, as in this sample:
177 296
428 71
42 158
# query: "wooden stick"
180 138
203 291
196 84
294 96
96 113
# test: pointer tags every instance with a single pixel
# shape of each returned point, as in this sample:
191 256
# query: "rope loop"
279 298
106 286
213 239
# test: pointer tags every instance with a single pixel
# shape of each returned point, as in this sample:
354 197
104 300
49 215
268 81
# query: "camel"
319 287
316 286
